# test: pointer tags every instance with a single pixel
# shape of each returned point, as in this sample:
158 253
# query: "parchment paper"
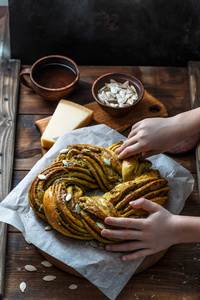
104 269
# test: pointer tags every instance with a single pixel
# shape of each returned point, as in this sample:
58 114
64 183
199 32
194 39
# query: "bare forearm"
187 229
186 124
156 135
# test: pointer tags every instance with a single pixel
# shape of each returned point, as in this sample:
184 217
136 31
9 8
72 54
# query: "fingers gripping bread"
58 193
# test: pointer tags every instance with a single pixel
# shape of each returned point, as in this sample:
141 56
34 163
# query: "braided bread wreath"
57 193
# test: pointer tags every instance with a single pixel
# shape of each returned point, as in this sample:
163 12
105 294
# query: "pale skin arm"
156 135
159 231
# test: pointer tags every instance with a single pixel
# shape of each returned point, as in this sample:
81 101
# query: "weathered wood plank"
181 282
28 144
9 72
194 84
17 177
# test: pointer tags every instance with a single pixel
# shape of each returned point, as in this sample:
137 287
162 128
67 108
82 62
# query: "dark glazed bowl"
117 112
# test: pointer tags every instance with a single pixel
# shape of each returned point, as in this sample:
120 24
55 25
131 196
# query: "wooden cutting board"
149 107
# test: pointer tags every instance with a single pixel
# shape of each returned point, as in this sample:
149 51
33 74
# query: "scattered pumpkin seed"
22 286
30 268
77 208
49 278
73 287
68 197
42 177
64 151
93 244
107 162
48 228
65 162
46 264
100 225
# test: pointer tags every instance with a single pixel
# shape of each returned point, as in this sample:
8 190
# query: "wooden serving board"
147 263
149 107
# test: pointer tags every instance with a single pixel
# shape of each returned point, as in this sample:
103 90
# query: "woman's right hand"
156 135
149 137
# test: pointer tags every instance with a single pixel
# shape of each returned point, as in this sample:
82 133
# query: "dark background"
106 32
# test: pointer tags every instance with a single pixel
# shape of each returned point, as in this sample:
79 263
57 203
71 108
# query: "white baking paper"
104 269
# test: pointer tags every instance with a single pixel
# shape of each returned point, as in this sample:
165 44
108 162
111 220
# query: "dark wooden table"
176 275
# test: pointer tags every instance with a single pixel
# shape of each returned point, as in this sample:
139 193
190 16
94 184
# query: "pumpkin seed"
100 225
48 228
68 197
107 162
30 268
73 287
49 278
46 264
22 286
65 162
118 94
64 151
93 244
77 208
42 177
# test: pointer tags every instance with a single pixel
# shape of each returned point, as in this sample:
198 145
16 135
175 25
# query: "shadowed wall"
107 32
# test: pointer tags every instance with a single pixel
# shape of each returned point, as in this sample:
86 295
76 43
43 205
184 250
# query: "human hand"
142 237
149 136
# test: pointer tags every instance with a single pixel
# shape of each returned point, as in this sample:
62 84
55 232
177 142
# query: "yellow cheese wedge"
67 116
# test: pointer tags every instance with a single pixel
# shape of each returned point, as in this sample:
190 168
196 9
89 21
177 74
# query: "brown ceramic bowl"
117 111
52 77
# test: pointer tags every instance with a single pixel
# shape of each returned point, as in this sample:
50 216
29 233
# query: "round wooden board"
147 108
147 263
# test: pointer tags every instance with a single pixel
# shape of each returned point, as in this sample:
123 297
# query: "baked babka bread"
59 193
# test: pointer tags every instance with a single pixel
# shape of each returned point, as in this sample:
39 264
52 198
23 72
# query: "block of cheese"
66 117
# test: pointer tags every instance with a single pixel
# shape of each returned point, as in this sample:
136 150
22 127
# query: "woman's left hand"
142 236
